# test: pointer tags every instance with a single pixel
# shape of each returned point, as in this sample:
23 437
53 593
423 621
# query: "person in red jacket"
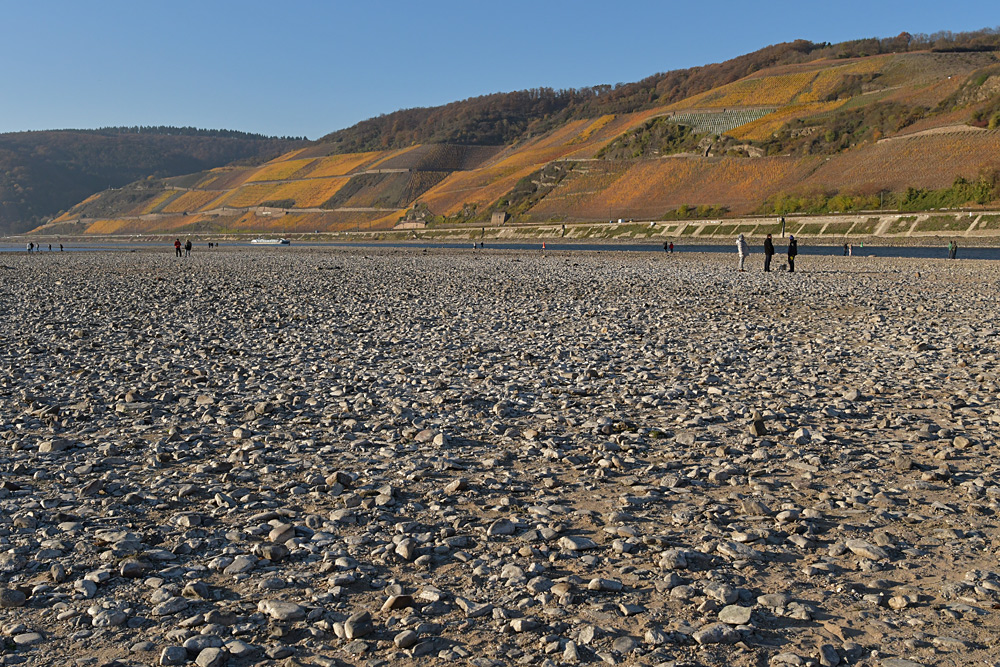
177 247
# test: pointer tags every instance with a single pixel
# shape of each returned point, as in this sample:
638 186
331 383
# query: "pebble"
735 615
11 597
281 610
211 657
716 633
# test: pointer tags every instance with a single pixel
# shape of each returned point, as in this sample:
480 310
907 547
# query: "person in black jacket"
768 253
793 250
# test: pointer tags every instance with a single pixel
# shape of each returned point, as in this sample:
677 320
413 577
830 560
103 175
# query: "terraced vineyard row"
719 122
192 200
812 85
481 187
763 127
280 171
651 188
932 161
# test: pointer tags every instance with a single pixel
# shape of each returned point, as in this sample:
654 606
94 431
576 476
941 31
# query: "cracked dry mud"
365 457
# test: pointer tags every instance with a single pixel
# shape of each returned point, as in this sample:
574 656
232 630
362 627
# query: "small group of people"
187 247
743 250
31 247
952 249
668 247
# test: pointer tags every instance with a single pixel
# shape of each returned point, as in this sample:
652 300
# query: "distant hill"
42 173
906 123
502 118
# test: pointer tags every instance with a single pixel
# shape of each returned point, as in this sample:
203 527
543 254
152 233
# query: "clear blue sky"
308 67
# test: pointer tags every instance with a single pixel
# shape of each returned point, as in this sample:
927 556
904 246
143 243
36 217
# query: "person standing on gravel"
743 250
793 250
177 247
952 249
187 248
768 253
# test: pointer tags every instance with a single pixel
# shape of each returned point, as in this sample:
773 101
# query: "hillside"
503 118
43 173
794 128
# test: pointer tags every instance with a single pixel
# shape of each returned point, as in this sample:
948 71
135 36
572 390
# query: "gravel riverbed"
397 456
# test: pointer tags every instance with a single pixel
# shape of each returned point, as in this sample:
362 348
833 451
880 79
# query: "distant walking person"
187 248
793 250
952 249
743 250
30 246
671 247
61 248
177 247
666 247
768 253
845 250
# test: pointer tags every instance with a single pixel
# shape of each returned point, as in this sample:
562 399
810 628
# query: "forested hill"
43 173
502 118
170 130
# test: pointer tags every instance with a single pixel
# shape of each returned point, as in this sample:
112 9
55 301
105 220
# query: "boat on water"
271 242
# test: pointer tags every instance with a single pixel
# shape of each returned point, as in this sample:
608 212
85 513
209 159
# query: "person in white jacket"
743 248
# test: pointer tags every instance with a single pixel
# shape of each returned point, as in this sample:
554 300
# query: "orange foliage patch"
153 205
930 161
341 165
192 200
649 188
765 91
546 148
280 171
311 192
70 214
483 186
764 127
225 178
608 132
781 87
827 80
595 126
388 221
306 193
250 195
138 226
927 96
105 226
290 155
